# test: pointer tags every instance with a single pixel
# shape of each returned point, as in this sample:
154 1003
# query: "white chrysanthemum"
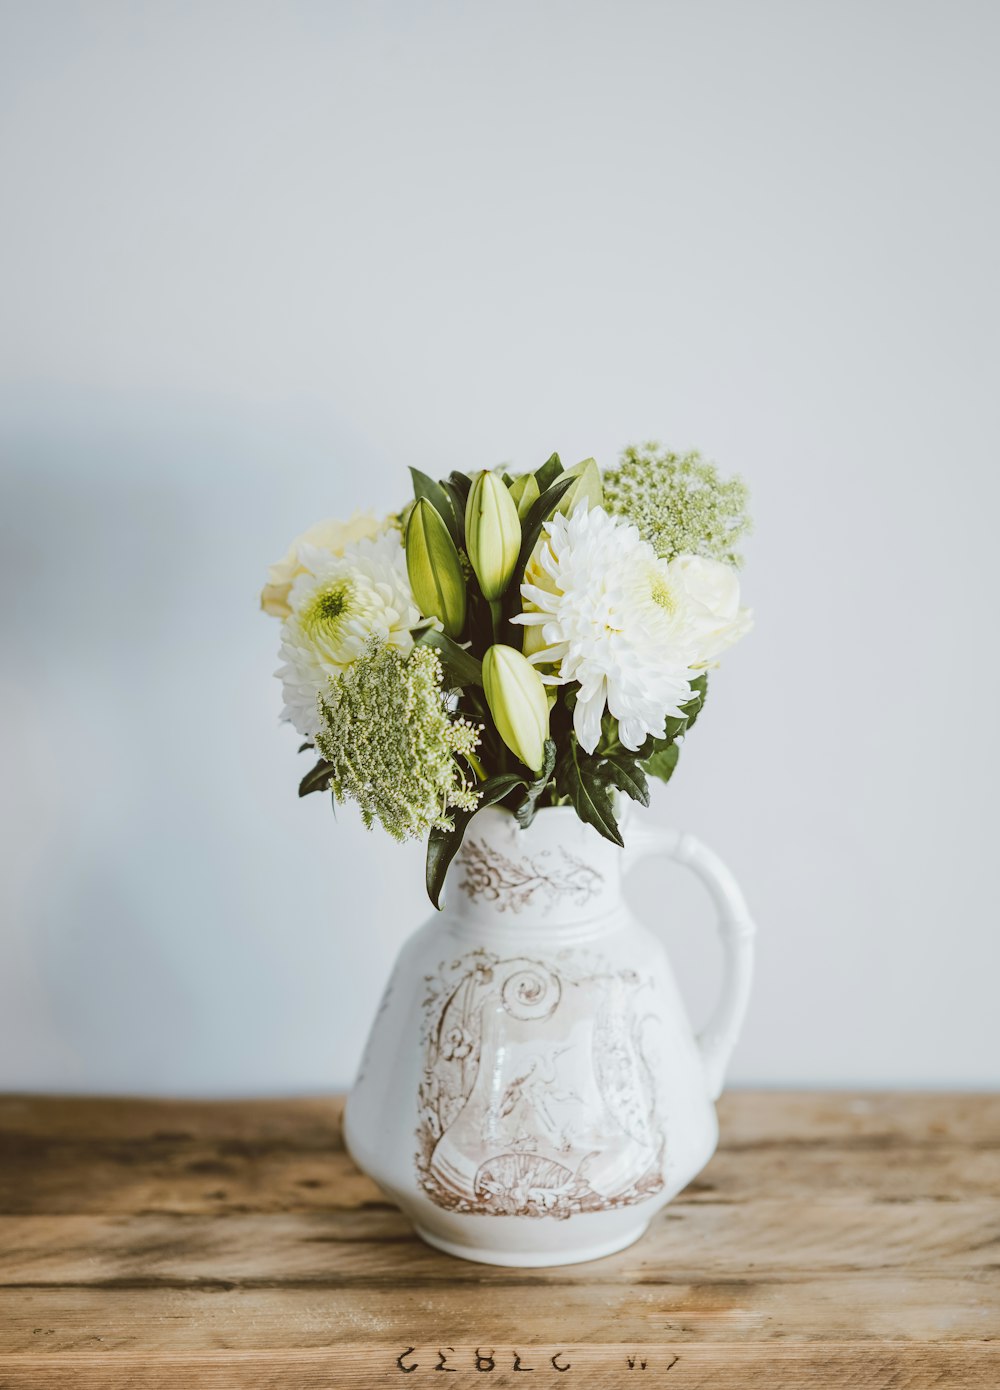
612 616
333 536
337 604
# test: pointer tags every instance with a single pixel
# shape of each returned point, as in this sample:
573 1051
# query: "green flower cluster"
679 503
392 746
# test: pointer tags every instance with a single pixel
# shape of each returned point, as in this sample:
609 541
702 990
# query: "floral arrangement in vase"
525 640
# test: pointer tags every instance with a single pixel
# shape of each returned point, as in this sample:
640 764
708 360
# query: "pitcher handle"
736 928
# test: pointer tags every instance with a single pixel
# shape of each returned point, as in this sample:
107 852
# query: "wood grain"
834 1240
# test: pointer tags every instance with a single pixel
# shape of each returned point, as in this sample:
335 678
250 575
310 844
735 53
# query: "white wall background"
256 258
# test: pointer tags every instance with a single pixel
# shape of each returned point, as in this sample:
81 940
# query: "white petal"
587 719
632 733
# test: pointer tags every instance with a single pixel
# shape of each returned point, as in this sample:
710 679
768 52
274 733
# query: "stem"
496 613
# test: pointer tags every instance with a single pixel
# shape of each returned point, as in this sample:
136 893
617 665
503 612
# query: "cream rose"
333 537
712 594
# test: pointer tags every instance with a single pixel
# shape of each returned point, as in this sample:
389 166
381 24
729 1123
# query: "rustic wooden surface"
834 1241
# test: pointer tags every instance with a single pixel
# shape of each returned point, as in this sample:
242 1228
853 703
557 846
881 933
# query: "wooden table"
834 1241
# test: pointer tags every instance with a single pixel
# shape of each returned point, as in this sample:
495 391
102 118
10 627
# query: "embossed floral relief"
511 884
537 1097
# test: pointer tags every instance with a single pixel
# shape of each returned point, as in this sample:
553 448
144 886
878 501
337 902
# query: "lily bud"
525 493
518 703
588 487
434 568
492 533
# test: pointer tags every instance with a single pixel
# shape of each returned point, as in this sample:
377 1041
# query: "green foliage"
318 778
525 809
659 756
441 499
457 486
443 843
460 483
538 515
587 487
461 667
623 770
663 760
549 472
695 706
579 779
525 492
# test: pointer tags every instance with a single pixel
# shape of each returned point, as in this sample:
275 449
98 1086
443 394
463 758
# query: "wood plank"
771 1118
896 1307
378 1246
199 1178
295 1121
193 1157
876 1119
960 1366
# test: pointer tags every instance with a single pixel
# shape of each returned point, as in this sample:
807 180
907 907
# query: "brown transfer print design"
512 884
537 1098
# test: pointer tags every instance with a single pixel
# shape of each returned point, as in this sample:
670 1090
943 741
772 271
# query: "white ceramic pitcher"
531 1092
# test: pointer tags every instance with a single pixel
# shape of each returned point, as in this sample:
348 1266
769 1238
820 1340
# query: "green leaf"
462 484
458 487
694 707
578 777
531 527
525 492
587 487
462 666
318 780
525 809
663 761
624 771
675 727
458 503
308 744
549 472
443 845
440 500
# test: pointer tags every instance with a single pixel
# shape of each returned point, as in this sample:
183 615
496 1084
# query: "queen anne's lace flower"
620 621
392 745
337 603
679 503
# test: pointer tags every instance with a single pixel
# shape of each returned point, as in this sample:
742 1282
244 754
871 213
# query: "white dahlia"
607 613
337 603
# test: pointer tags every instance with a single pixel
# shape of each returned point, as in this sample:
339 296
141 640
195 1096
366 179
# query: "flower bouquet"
523 640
